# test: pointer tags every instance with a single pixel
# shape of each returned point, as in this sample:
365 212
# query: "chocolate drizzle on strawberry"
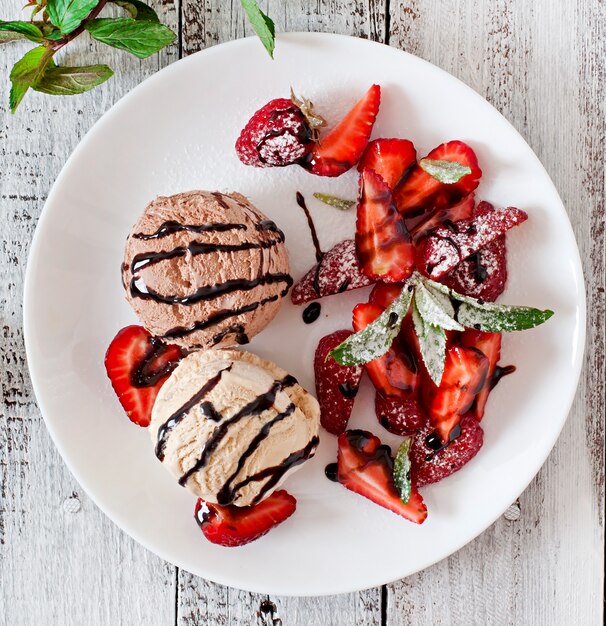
434 443
499 372
145 374
348 390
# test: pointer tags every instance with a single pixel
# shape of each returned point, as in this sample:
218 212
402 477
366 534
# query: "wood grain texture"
63 562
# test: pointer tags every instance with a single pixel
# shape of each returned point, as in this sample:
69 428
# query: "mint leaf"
67 15
432 342
401 470
262 25
333 201
69 81
26 72
138 10
500 318
431 309
447 172
25 29
375 340
137 37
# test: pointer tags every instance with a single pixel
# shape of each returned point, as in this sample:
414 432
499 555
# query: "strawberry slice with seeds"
366 468
482 275
431 461
435 218
137 365
383 243
451 244
233 526
343 146
490 345
383 294
391 159
336 385
465 373
421 191
400 416
338 271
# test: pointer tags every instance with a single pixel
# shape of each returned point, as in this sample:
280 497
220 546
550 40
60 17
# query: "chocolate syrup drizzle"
171 227
144 374
316 241
237 329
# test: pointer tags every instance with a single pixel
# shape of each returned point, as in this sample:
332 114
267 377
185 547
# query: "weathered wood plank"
544 71
61 560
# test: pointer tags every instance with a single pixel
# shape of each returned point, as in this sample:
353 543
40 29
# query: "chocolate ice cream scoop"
205 269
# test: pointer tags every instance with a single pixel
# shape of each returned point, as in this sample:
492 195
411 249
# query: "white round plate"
176 132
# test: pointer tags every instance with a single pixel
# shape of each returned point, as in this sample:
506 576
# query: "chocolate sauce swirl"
171 227
144 374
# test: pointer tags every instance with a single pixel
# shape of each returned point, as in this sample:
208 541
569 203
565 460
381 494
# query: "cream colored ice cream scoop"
231 426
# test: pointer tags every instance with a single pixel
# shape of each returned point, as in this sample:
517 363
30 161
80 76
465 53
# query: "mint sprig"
262 25
448 172
401 470
433 313
333 201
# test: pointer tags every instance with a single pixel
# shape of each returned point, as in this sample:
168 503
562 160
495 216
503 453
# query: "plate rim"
29 314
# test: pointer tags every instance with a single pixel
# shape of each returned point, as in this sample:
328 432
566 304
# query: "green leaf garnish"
433 311
333 201
401 470
27 72
69 81
138 10
67 15
140 38
22 30
432 343
500 318
262 25
375 340
448 172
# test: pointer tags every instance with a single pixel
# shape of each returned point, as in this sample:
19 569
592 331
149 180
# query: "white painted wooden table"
541 63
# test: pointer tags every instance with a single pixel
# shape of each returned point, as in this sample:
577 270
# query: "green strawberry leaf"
262 25
333 201
138 10
431 309
26 72
401 470
69 81
67 15
375 340
432 342
140 38
500 318
448 172
23 30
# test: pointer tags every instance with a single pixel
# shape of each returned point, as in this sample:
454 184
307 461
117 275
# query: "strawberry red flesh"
366 468
383 243
435 218
391 159
137 365
343 146
336 385
449 245
233 526
421 192
338 271
383 294
465 373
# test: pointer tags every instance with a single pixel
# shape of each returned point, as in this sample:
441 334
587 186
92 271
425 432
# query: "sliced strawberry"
336 385
383 294
233 526
465 372
338 271
395 373
482 275
490 345
449 245
400 416
383 243
421 192
391 159
435 218
366 468
342 148
431 461
138 365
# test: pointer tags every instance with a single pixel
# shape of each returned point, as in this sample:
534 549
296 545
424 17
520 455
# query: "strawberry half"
366 468
137 365
451 244
431 463
490 345
233 526
343 146
421 192
336 385
338 271
391 159
383 243
465 373
435 218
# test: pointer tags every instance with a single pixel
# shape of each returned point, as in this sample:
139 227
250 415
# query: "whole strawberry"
280 133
